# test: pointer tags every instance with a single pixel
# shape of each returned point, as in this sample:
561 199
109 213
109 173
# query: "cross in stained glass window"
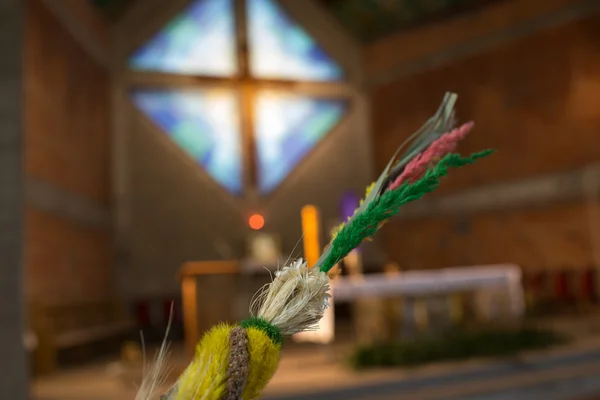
244 124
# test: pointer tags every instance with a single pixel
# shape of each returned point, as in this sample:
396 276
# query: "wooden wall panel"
67 147
534 100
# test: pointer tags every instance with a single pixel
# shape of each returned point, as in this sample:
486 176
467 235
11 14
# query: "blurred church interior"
160 159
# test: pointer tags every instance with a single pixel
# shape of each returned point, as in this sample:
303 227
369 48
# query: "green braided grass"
271 331
365 224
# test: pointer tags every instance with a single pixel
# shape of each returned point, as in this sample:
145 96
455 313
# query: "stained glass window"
281 49
200 41
287 128
205 124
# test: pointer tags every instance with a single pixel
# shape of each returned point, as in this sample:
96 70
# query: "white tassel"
154 376
296 299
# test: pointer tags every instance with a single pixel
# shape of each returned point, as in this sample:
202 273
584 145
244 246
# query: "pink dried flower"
438 149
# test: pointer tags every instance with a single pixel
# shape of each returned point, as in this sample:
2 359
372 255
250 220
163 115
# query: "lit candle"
311 231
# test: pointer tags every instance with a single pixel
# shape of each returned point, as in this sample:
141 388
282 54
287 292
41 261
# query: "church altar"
503 277
437 281
215 291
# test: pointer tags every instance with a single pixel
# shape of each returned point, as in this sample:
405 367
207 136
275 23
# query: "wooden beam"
138 79
189 301
196 268
14 379
85 25
525 193
411 52
121 111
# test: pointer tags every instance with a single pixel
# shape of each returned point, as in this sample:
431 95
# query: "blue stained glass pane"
287 128
199 41
204 123
281 49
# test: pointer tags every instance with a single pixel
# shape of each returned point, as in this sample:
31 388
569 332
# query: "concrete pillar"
13 375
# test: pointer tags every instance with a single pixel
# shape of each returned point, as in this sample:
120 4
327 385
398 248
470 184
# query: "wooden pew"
67 326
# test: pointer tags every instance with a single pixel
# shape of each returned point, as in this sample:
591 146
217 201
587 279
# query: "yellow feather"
206 377
264 359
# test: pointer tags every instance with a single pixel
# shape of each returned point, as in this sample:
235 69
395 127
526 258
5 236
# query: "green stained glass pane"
287 128
199 41
282 49
203 123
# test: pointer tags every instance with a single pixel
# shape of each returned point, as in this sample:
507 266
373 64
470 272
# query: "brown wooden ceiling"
365 19
371 19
